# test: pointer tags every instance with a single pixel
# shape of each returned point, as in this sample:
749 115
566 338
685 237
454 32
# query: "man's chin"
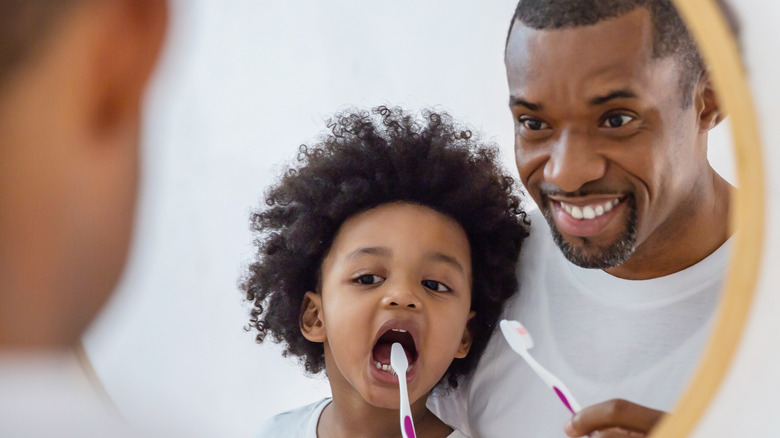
592 257
588 255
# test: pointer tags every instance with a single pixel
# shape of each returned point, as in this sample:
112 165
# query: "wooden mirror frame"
720 50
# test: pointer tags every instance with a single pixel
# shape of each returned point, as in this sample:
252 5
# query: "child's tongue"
382 353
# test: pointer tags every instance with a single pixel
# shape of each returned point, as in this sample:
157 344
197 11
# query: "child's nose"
402 297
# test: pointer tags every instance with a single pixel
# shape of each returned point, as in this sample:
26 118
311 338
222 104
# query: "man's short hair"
670 35
24 23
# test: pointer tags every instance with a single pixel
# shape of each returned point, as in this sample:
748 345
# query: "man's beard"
593 257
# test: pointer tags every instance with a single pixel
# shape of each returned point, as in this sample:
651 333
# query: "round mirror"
243 84
717 44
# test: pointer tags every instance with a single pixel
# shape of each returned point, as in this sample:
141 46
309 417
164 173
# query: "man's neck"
684 239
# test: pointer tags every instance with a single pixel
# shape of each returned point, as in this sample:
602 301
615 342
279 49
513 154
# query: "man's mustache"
548 190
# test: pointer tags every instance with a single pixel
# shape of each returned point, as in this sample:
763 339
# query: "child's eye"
368 279
435 285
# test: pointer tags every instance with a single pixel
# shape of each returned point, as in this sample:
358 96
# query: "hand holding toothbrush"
613 419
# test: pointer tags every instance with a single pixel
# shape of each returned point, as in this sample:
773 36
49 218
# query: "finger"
610 414
617 432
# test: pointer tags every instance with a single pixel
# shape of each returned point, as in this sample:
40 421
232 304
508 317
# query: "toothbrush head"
515 330
398 360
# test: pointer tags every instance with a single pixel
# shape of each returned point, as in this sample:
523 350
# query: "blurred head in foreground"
72 78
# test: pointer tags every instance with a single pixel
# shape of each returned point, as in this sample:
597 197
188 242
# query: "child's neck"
350 415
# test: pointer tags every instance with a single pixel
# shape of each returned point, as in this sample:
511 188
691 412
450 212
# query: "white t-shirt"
603 336
302 423
48 394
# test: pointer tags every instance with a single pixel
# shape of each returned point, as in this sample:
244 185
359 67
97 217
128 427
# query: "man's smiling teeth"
589 211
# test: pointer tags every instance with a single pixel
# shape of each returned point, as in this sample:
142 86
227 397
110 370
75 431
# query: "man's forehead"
638 20
612 54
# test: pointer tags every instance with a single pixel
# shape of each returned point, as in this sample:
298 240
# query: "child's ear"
465 340
312 324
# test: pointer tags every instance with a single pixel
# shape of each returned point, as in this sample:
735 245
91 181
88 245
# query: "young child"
390 229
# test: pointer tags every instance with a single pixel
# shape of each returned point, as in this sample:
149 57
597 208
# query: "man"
612 106
72 78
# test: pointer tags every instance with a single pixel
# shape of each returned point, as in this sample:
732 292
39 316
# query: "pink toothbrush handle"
564 400
409 427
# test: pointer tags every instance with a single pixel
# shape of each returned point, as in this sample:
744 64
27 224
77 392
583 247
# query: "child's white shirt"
302 423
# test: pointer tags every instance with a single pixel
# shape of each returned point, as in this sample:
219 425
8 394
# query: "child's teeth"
387 367
383 367
399 330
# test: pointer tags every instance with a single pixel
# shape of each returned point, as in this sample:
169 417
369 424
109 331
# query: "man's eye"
533 124
616 120
368 279
435 285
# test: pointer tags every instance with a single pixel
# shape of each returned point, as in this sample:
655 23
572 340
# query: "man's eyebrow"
617 94
515 101
377 250
452 261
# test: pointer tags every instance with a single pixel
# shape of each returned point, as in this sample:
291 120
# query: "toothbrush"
520 341
399 363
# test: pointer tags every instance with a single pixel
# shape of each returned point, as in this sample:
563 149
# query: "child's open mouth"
381 351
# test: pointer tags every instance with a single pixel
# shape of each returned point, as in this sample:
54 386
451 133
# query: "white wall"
242 85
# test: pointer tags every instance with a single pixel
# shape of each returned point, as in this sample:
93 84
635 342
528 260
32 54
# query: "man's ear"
707 105
130 38
312 321
465 340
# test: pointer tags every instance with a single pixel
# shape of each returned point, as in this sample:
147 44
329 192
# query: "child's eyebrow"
376 250
386 252
439 257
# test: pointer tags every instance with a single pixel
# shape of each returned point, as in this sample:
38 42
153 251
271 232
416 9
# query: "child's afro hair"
370 158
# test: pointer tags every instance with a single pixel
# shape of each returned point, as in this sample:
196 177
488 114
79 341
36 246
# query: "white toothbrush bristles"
528 341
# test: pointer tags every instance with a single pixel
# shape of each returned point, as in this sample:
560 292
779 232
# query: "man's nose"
402 295
574 161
